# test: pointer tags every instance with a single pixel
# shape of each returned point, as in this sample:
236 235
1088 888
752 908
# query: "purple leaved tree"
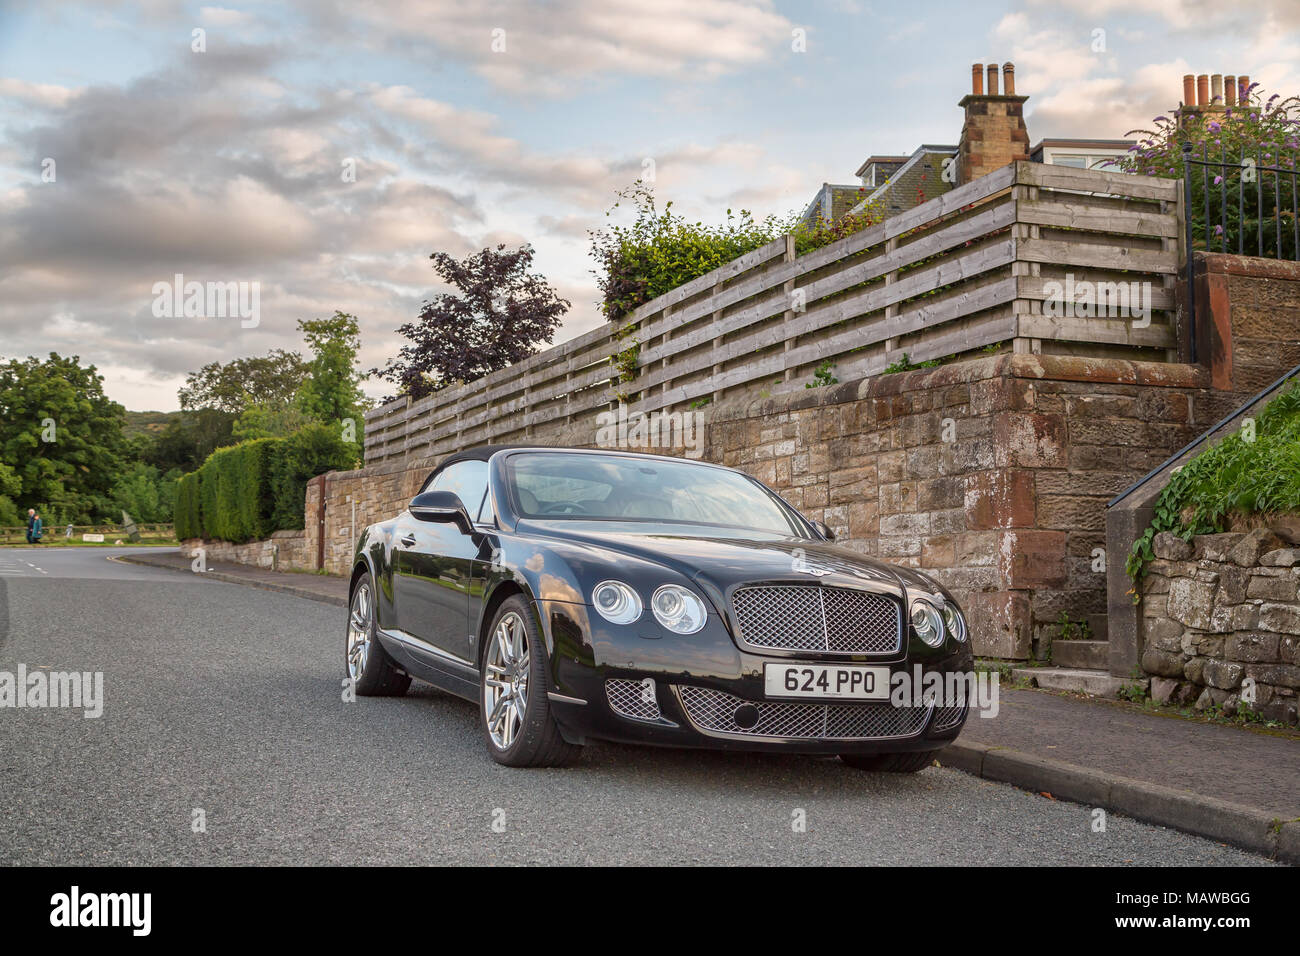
501 314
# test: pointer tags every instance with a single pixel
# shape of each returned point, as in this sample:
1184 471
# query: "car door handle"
408 540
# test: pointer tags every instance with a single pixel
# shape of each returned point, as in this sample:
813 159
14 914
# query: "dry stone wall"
1221 621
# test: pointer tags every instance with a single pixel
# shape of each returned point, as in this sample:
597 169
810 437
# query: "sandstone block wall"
1221 621
991 473
284 550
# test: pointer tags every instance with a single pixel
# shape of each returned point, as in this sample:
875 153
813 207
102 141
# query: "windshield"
560 485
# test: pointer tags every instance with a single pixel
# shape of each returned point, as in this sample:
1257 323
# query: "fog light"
746 716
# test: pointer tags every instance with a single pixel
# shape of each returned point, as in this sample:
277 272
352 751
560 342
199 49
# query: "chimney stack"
1211 93
994 132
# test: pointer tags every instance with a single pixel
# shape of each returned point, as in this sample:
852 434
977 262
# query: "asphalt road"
227 699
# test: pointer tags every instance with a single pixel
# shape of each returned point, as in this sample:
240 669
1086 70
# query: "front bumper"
640 685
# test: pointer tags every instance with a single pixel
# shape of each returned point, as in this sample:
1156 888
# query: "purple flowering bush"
1252 187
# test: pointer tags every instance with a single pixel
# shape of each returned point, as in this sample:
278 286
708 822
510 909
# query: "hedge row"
247 491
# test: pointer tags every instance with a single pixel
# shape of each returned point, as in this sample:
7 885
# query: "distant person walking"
34 530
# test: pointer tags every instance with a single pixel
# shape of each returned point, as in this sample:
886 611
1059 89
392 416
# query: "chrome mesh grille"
800 617
945 718
713 711
627 697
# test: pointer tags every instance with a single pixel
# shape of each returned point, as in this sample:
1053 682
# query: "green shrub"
1252 471
312 451
247 491
189 524
660 251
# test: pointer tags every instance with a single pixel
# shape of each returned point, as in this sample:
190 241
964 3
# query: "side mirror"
441 506
824 530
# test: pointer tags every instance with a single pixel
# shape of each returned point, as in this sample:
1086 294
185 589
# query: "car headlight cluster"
676 608
931 622
616 602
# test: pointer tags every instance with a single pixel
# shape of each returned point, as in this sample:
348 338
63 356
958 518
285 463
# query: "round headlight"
678 609
927 623
954 622
616 602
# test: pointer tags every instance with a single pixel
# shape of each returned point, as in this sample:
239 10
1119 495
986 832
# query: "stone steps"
1087 655
1098 683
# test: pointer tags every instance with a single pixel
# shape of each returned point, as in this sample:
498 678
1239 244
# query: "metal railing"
1219 216
1245 199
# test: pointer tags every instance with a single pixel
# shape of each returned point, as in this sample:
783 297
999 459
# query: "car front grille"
800 617
628 698
713 712
946 718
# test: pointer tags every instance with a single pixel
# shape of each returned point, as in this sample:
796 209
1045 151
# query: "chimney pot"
1230 91
1243 90
1216 88
977 79
1189 90
1203 90
1009 78
992 75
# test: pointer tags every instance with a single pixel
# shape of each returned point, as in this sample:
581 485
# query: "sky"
323 150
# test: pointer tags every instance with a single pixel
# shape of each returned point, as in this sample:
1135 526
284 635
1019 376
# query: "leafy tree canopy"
331 392
232 387
61 438
501 314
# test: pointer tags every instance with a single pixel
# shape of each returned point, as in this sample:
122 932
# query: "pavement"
328 588
225 701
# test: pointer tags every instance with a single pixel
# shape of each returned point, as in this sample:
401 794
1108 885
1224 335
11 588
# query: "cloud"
45 95
222 168
554 48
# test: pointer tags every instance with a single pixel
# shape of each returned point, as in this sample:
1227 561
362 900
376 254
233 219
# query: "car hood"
717 562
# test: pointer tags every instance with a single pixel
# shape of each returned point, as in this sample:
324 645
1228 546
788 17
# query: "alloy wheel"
359 631
505 681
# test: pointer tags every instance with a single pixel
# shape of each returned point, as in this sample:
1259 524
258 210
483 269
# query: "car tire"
530 739
891 763
373 671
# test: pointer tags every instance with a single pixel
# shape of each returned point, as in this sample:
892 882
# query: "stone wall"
283 551
1249 327
991 473
1219 612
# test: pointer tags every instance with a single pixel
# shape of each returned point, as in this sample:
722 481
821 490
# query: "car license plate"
826 681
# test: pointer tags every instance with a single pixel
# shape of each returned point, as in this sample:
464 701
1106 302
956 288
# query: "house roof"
871 160
1095 143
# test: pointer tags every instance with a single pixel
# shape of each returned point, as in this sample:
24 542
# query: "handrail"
1204 437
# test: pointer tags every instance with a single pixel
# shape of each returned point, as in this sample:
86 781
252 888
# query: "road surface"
223 706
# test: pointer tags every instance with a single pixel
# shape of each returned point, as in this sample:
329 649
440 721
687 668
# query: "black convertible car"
579 594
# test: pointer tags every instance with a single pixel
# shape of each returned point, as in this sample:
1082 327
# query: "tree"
501 315
261 421
60 436
270 380
331 392
10 486
187 441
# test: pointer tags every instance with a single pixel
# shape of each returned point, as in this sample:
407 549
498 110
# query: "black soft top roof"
478 453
